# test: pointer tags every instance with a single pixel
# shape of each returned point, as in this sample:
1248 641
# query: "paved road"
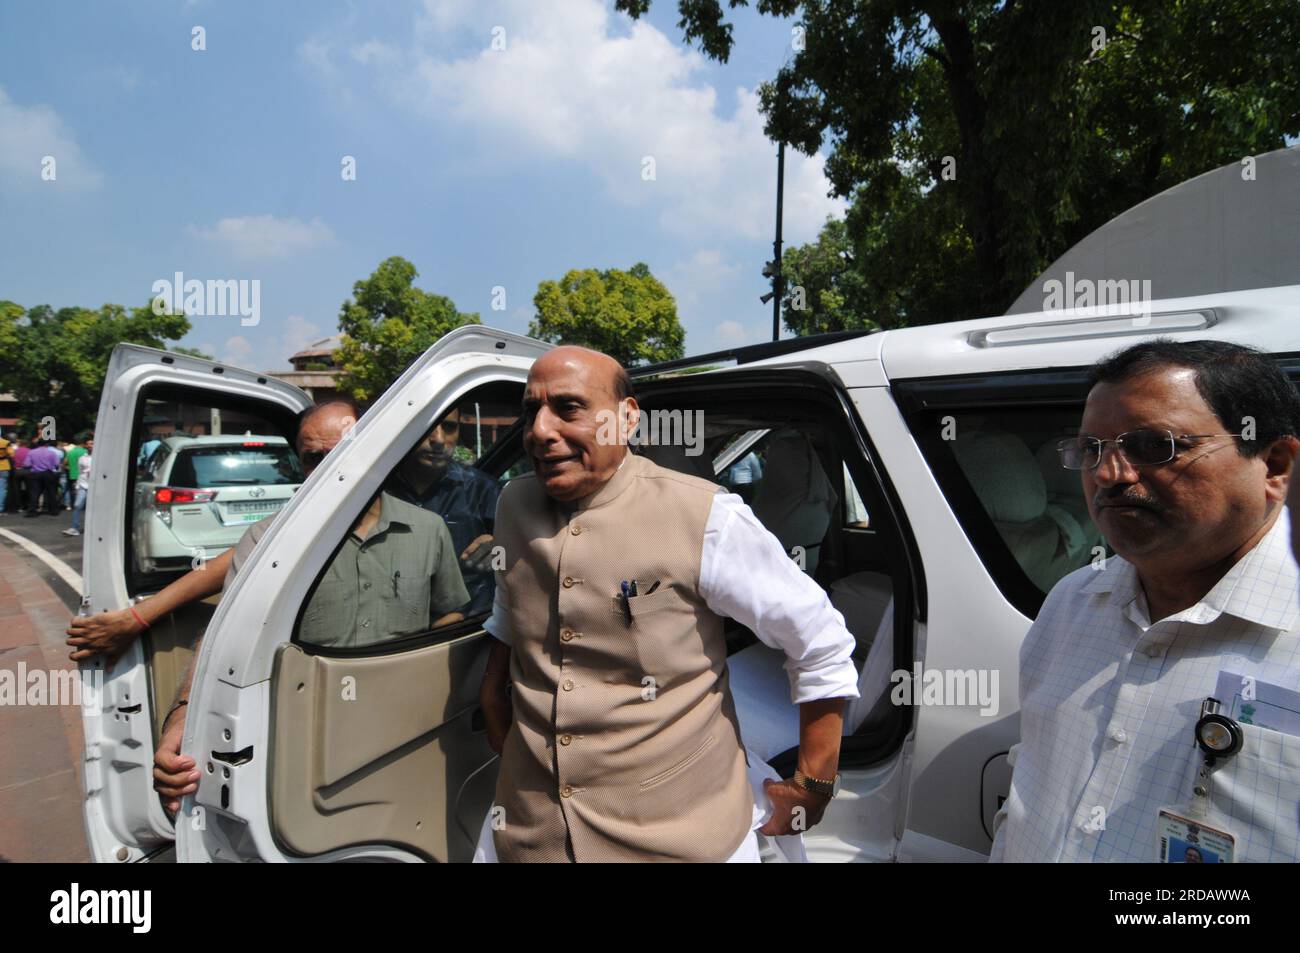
41 742
47 532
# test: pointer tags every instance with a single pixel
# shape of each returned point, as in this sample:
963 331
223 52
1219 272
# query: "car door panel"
403 772
359 757
124 818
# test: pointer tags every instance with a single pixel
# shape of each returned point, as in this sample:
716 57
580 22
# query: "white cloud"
374 51
316 54
700 284
298 333
237 350
30 133
732 334
577 83
265 236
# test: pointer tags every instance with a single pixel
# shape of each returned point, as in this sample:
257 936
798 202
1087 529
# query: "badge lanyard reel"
1190 833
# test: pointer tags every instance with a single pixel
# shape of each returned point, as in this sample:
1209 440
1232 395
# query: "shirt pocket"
1258 791
408 610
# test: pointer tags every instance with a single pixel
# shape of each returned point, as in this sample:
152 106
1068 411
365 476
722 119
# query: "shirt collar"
613 487
1261 587
394 511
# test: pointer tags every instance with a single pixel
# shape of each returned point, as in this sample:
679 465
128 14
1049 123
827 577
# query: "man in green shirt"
396 573
72 455
75 452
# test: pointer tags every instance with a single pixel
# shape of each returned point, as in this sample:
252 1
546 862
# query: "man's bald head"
574 355
573 401
320 428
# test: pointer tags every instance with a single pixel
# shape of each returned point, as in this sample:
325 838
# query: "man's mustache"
1104 498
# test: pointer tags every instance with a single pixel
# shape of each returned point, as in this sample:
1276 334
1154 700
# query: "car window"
855 511
252 462
205 468
419 558
1008 462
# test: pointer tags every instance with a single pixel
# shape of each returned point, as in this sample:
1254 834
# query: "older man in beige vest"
619 740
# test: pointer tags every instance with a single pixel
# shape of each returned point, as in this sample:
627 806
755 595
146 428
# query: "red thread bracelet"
138 618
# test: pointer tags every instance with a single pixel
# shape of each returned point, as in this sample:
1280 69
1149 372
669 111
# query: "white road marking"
64 571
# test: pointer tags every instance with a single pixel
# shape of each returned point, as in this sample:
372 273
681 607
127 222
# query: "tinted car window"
248 465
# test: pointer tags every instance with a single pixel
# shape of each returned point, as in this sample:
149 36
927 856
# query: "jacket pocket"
679 766
645 604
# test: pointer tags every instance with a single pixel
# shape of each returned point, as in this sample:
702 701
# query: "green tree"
54 362
979 140
387 324
823 290
628 315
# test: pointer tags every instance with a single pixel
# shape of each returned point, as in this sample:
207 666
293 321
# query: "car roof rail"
746 354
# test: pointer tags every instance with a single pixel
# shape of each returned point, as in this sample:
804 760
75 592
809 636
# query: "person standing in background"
61 487
744 474
83 462
21 473
43 461
6 454
74 452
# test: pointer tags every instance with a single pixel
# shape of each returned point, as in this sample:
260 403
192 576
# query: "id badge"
1186 840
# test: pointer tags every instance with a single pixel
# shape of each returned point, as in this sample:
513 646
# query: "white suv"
197 495
911 471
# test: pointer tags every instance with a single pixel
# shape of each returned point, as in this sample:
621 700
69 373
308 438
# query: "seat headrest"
675 457
1061 483
1004 474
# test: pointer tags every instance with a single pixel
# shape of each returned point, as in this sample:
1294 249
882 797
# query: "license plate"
254 506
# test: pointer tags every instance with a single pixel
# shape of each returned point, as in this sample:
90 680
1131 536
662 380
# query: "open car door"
153 400
316 748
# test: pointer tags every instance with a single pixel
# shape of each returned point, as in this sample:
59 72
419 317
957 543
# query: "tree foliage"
387 324
823 291
54 362
628 315
977 141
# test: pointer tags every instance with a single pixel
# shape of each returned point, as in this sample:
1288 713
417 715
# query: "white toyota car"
195 496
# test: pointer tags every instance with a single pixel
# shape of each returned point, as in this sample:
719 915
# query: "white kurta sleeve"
498 623
745 574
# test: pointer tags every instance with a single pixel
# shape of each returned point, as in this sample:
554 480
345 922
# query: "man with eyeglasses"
1185 450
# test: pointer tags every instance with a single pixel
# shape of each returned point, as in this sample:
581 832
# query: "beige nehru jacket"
625 743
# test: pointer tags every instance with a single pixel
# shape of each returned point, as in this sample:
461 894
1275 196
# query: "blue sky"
484 167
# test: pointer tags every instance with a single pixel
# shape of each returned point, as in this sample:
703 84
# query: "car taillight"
169 495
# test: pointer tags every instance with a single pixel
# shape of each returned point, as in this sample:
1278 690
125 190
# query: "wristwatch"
816 785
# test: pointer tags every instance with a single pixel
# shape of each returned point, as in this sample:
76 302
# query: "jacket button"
566 635
566 739
576 529
568 582
566 791
568 685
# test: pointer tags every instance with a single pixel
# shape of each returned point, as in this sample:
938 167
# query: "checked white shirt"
1109 701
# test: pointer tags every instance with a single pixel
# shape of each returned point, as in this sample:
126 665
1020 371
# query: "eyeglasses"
1142 448
311 458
